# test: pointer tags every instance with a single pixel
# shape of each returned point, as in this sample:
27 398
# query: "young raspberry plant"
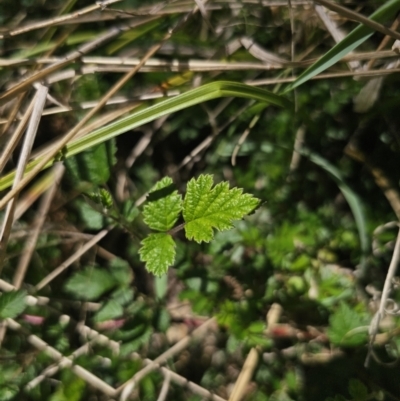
204 208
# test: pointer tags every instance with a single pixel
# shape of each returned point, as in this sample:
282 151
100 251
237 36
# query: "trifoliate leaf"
89 284
163 207
12 304
346 327
158 251
205 208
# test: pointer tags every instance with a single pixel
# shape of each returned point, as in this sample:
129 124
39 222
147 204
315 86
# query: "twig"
63 361
239 391
385 295
40 99
13 142
58 20
128 386
75 55
165 387
72 259
71 134
31 241
345 12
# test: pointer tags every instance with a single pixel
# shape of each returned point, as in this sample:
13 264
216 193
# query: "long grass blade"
353 200
349 43
192 97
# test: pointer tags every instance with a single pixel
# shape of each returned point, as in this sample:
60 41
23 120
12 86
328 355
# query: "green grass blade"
355 203
349 43
192 97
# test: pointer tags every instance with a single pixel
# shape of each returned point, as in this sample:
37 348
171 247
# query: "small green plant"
204 209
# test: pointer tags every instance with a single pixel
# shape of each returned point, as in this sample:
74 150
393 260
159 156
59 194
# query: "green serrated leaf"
158 251
163 207
205 208
89 284
345 326
12 304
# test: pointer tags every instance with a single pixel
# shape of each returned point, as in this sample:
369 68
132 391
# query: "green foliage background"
311 247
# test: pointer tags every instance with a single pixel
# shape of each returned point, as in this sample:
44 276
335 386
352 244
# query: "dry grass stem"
71 134
241 385
72 259
30 243
352 15
73 56
16 136
374 327
58 20
64 361
30 135
127 387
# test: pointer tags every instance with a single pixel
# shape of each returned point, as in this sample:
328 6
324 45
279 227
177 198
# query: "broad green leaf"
346 327
348 44
163 207
206 208
123 295
90 283
111 310
92 219
12 304
161 286
121 271
190 98
92 165
358 390
158 251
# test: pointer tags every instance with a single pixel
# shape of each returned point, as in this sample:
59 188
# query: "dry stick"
195 64
33 193
14 111
239 391
40 99
165 387
369 94
13 142
72 259
84 349
207 142
337 35
75 55
359 18
30 244
384 42
385 295
243 137
298 144
182 381
390 192
93 335
128 386
366 74
182 7
58 20
70 135
66 362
